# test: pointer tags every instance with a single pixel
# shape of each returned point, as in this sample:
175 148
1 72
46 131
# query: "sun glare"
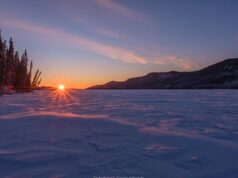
61 87
61 95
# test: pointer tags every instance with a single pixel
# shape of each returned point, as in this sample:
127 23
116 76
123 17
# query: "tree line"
16 71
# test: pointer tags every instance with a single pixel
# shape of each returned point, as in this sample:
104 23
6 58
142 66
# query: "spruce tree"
23 70
29 75
1 63
17 71
10 67
13 71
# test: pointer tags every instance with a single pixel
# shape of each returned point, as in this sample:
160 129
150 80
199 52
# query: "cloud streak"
109 33
181 63
122 10
110 51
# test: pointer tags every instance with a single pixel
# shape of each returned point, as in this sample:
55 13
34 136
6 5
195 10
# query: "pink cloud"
110 51
120 9
184 64
109 33
113 52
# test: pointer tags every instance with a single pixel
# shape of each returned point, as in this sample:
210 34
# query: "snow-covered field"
143 133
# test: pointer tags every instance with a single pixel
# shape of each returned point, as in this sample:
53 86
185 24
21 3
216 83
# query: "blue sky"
87 42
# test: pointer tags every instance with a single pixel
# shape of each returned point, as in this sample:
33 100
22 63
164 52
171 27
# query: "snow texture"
146 133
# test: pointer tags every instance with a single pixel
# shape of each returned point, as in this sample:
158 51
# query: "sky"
81 43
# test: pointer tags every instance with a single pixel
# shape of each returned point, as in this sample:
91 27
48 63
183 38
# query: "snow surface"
143 133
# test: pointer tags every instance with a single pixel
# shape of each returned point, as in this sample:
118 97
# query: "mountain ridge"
221 75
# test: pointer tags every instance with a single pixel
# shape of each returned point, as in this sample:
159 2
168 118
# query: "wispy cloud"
110 51
122 10
109 33
184 64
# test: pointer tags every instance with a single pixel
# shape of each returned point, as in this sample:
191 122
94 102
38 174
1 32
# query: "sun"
61 87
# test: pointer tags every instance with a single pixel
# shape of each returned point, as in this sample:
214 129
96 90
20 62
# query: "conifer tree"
10 68
29 75
23 70
14 71
1 63
3 48
17 71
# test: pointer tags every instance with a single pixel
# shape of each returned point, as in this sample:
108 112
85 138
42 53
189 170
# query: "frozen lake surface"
146 133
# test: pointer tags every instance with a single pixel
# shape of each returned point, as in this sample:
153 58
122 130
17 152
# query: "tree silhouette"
14 72
36 80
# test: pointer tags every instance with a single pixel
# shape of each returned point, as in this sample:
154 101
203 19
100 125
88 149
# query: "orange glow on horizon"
72 85
82 82
68 81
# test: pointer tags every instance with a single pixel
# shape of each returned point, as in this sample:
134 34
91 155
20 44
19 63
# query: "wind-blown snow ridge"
52 113
152 134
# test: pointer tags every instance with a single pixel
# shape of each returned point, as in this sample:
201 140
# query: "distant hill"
222 75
